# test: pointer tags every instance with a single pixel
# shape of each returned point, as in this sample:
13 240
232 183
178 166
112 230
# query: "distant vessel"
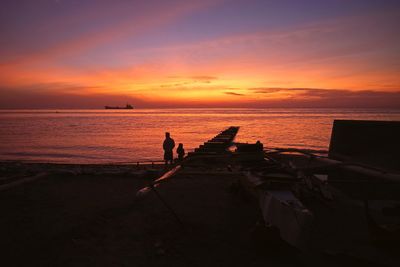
128 106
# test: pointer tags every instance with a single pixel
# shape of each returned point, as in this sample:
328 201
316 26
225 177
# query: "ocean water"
111 136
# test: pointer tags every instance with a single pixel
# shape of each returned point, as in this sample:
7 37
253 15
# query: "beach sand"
89 216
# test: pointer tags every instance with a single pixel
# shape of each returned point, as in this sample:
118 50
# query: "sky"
209 53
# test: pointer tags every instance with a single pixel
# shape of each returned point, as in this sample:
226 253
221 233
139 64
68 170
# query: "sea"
129 136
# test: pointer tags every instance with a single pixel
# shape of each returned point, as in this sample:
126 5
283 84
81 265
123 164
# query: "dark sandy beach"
89 216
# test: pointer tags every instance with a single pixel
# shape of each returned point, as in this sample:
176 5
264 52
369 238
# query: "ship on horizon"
128 106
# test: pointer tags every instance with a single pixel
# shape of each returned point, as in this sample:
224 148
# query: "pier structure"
218 143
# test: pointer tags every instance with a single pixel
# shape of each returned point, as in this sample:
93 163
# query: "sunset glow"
87 54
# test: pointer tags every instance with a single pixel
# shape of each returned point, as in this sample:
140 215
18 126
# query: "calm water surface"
102 136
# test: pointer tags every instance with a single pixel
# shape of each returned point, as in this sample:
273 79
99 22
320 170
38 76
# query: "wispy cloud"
349 51
321 91
204 78
188 81
197 78
320 97
81 96
75 96
125 26
233 93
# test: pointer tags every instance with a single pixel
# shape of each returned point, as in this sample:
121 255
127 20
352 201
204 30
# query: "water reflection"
98 136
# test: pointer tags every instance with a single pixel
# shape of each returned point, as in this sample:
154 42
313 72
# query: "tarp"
282 209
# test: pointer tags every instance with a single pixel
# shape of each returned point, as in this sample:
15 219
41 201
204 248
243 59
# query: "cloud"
70 96
173 85
204 78
51 87
233 93
74 95
188 81
196 78
126 26
321 97
266 90
344 51
320 91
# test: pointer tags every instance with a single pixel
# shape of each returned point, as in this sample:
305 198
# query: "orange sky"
209 53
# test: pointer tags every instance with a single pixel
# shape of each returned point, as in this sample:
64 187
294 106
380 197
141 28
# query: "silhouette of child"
180 151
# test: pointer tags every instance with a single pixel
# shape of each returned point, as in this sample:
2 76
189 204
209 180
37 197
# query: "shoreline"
15 173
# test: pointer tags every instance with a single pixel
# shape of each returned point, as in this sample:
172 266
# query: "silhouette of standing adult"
168 147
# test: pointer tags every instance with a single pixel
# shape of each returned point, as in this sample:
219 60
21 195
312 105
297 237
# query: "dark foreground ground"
78 219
